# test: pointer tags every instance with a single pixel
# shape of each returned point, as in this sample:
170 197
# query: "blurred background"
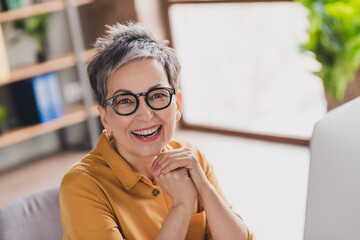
256 76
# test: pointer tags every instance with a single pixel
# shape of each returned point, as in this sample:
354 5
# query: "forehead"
138 76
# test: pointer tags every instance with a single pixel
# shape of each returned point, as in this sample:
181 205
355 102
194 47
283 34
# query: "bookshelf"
56 64
72 115
38 8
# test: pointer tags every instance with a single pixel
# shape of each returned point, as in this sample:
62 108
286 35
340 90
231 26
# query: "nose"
144 112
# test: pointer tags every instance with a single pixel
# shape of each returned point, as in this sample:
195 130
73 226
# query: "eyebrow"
128 91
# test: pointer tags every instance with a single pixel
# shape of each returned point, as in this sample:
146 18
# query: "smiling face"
146 132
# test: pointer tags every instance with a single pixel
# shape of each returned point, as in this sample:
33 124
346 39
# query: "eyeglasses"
126 103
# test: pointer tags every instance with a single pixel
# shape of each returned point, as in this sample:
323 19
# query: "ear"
104 118
178 105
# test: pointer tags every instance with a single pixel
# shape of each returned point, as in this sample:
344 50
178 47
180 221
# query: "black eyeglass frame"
111 100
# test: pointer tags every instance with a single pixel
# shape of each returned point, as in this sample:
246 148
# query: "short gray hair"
123 44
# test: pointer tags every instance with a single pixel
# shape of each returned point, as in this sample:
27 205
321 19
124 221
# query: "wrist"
205 190
200 180
185 207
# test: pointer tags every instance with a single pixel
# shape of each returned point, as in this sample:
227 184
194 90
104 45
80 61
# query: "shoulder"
84 171
82 182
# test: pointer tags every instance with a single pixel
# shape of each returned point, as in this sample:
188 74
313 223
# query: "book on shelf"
3 5
13 4
4 64
47 96
37 100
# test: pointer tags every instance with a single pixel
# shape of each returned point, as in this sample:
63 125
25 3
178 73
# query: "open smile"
147 134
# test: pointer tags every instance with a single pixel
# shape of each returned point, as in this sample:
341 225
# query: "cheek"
120 124
178 115
170 117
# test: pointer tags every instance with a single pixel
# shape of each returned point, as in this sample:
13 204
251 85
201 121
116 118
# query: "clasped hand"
179 175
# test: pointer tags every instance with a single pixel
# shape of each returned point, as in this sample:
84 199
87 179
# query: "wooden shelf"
51 65
72 116
38 8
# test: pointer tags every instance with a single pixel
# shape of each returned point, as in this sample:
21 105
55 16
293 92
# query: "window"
242 69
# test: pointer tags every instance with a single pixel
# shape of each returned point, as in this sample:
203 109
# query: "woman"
138 183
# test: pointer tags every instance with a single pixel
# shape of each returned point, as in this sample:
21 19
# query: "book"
3 5
48 98
23 101
13 4
37 100
4 64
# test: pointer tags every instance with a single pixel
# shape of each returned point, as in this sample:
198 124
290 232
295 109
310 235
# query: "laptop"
333 200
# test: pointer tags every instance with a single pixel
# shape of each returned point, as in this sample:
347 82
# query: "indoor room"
267 101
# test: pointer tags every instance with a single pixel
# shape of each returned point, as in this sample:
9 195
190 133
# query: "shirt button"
155 192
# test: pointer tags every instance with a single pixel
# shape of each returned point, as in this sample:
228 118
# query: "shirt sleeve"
84 214
209 172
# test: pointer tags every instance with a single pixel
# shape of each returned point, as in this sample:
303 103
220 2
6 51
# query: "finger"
159 179
163 155
173 161
162 161
187 158
155 164
168 156
181 162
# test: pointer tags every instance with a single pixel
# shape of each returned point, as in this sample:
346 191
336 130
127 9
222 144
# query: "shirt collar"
123 171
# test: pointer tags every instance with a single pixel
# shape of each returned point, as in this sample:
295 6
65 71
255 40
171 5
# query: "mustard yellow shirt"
102 197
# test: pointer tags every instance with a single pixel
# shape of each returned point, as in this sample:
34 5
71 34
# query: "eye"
158 95
124 101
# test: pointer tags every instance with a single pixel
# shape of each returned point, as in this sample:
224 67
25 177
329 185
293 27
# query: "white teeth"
146 132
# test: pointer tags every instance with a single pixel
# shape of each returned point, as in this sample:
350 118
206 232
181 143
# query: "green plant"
2 115
36 27
334 38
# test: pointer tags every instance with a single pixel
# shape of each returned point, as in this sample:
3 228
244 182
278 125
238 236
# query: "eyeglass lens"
156 99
